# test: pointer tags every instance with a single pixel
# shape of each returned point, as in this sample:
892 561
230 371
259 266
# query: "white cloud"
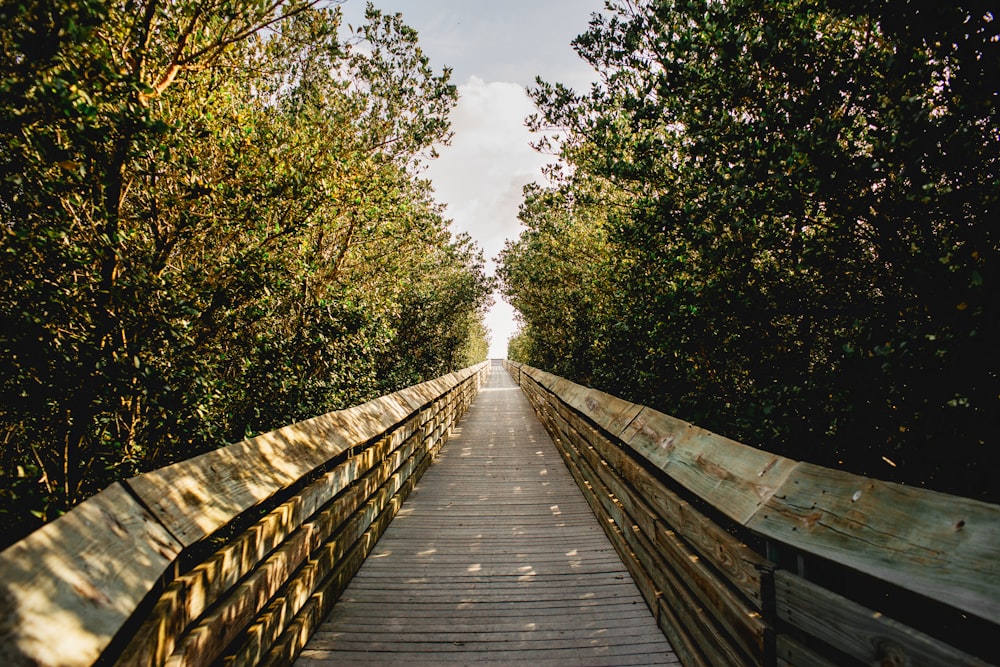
514 40
497 49
481 175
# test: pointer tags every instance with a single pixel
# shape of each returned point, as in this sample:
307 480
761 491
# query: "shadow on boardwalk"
495 557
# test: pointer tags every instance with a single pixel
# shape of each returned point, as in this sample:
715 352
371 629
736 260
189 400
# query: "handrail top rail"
69 587
942 546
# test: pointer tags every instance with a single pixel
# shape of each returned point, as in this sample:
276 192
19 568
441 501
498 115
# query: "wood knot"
113 523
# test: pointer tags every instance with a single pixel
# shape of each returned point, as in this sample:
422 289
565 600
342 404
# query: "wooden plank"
685 568
68 588
535 658
793 654
422 571
71 586
298 632
192 594
680 638
216 630
741 565
362 607
649 501
676 593
439 616
609 412
516 642
536 629
734 478
859 632
945 547
187 598
291 642
196 497
328 572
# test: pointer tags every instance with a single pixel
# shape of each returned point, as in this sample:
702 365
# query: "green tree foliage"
556 273
800 216
211 224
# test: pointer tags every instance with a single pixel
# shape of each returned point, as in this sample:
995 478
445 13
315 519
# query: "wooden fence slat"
945 547
741 565
195 498
290 643
734 478
217 630
280 616
673 592
72 589
609 412
188 597
68 588
682 642
734 613
793 654
859 632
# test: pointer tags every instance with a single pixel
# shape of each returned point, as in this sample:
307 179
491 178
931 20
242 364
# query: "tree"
553 275
806 259
205 205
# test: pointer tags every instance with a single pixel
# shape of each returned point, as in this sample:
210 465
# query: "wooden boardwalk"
494 558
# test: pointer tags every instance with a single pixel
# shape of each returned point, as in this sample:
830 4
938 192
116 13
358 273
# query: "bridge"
555 525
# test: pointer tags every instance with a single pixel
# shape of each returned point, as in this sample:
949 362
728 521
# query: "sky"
495 49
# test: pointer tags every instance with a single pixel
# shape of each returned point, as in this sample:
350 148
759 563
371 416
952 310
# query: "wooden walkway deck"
494 558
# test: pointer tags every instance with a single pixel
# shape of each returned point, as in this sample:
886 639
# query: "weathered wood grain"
791 653
68 588
194 498
740 565
71 587
609 412
679 590
734 478
859 632
188 597
945 547
302 627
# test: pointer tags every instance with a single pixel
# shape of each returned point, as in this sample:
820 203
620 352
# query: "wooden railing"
747 558
229 558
